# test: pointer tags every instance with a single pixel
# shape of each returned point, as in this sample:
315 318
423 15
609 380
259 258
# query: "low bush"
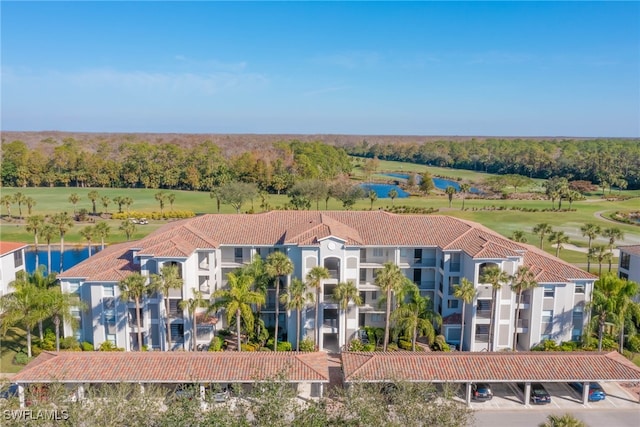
284 346
633 343
20 358
405 345
248 347
86 346
70 343
216 344
307 344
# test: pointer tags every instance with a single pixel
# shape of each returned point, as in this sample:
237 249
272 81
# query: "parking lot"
508 396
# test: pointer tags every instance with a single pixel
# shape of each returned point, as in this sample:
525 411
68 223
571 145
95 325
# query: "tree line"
608 162
169 166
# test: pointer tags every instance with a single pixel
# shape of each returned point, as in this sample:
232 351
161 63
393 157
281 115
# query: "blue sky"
415 68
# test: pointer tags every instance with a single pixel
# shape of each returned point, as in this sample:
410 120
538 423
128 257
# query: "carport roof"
440 367
175 367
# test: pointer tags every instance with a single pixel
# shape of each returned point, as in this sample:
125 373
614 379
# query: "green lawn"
10 344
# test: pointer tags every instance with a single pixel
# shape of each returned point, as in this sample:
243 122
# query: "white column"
80 392
585 393
468 394
21 395
527 393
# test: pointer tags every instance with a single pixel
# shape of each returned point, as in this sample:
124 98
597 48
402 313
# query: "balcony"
524 302
334 274
482 338
483 314
523 325
454 267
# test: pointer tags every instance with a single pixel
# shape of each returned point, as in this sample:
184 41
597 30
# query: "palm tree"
297 298
342 294
59 306
21 307
93 196
519 236
261 280
565 420
613 234
7 201
464 189
30 202
127 201
134 287
42 282
522 281
169 278
417 318
278 264
450 191
88 232
74 199
237 300
161 197
558 238
599 253
171 198
34 225
625 305
496 277
389 280
128 228
541 230
105 203
62 222
610 295
466 291
393 193
48 232
314 280
591 231
19 198
102 230
192 305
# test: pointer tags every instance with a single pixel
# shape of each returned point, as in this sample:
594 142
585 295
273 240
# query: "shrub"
224 333
216 344
307 344
86 346
109 346
20 358
284 346
633 343
356 345
369 347
392 347
405 345
248 347
70 343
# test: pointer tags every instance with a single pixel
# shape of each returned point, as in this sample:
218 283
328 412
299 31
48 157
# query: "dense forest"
601 161
275 166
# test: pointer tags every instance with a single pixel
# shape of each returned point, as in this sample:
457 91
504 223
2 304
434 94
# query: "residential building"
11 262
629 263
434 251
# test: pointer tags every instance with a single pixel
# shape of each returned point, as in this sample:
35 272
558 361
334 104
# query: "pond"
72 256
439 183
382 190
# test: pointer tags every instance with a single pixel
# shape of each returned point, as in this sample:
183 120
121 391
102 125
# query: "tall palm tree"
417 318
558 238
93 196
7 201
393 193
591 231
48 232
20 199
278 264
74 199
343 293
128 228
389 280
34 225
105 203
169 278
522 281
625 305
62 222
59 306
541 230
613 234
21 307
102 230
297 298
496 277
261 280
134 287
237 300
192 305
610 294
464 189
599 253
518 236
315 276
466 291
42 282
88 232
450 191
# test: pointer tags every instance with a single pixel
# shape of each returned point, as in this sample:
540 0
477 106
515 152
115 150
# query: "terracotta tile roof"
452 319
175 367
631 249
488 367
114 263
8 247
357 228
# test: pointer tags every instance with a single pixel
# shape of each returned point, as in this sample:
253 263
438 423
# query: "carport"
308 371
482 367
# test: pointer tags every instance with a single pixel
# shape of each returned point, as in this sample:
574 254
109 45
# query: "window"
484 305
454 262
417 254
377 252
623 275
482 329
111 338
625 260
107 291
547 316
452 303
579 289
17 258
237 254
453 334
549 291
545 337
363 274
177 331
73 287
